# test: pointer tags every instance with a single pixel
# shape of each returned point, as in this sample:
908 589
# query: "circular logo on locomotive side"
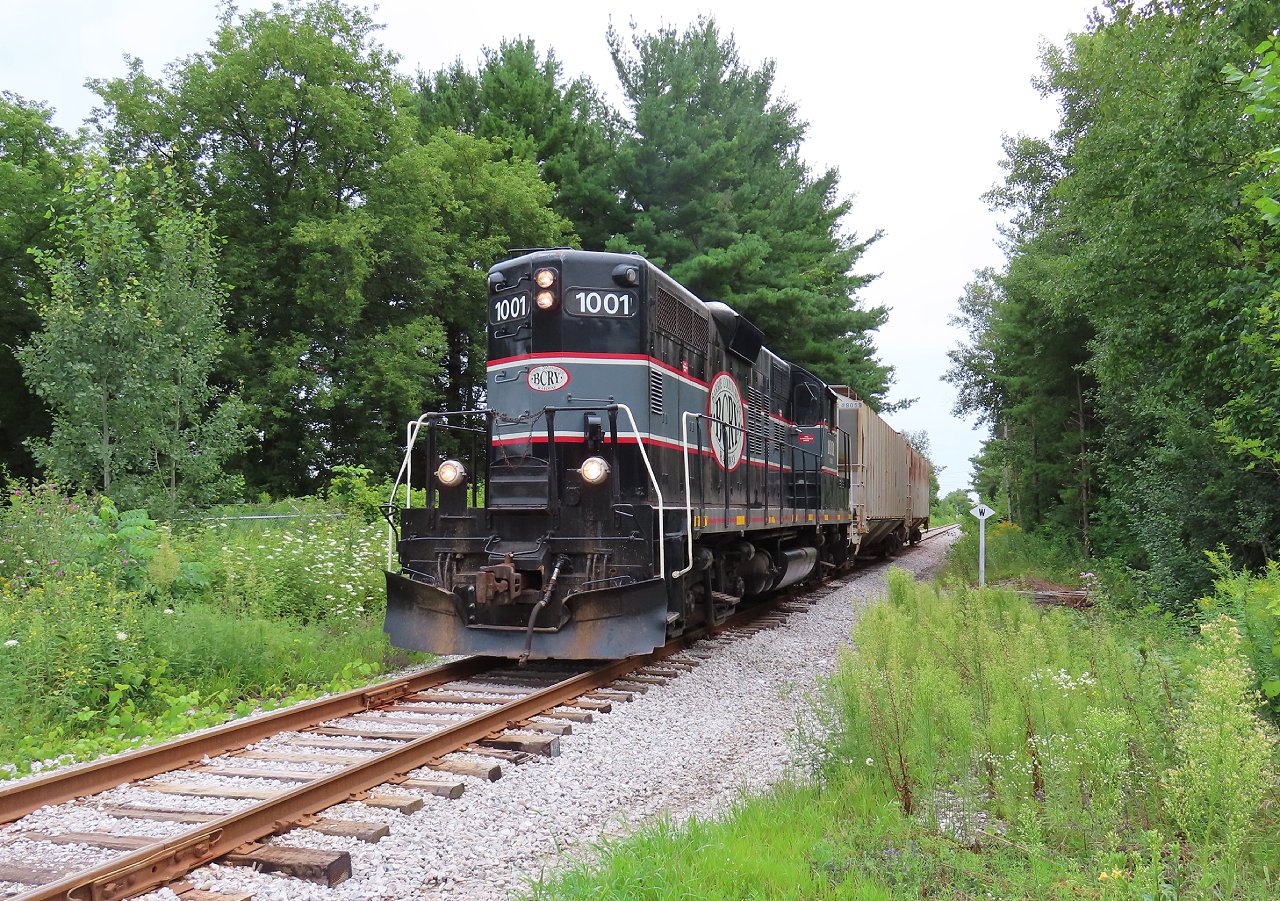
547 378
724 406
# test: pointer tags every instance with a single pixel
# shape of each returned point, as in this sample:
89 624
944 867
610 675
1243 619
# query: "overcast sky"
907 100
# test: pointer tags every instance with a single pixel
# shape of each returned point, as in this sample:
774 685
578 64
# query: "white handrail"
688 490
653 479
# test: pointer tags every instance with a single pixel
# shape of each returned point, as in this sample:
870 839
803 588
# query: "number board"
600 302
509 308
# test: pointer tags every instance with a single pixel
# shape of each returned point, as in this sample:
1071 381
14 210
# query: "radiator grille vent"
655 392
756 421
680 321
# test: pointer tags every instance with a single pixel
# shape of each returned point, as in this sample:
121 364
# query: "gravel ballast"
690 747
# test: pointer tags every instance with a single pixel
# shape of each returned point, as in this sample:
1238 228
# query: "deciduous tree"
128 337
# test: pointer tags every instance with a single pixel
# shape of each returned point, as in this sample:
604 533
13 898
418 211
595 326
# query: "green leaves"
129 334
716 192
1124 324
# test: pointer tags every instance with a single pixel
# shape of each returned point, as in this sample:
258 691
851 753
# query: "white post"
982 511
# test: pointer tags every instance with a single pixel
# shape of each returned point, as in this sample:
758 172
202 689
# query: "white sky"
908 101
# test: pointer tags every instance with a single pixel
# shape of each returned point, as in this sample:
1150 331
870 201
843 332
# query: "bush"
1013 553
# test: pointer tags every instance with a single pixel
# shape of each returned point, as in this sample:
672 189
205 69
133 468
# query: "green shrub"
1224 751
1014 554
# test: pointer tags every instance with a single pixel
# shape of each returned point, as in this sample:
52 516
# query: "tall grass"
986 747
115 629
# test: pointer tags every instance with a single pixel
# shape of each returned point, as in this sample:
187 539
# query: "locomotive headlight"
594 470
546 300
544 278
451 473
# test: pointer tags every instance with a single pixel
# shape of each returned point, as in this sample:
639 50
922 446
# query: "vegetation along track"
378 736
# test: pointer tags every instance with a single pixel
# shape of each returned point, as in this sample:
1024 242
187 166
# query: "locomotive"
643 465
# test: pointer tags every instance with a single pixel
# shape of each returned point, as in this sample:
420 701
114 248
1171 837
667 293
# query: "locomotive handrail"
688 489
412 429
688 486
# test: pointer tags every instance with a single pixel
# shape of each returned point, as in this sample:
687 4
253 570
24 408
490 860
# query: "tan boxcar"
889 480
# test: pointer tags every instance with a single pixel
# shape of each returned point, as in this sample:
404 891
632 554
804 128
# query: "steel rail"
158 865
77 781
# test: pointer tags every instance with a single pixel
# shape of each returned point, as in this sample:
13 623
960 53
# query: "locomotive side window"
596 302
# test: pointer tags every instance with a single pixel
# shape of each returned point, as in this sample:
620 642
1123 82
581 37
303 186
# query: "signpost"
982 511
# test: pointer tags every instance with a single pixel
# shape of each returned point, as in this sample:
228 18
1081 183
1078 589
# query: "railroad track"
468 717
464 718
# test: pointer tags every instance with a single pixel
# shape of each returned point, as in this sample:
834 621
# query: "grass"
116 630
981 747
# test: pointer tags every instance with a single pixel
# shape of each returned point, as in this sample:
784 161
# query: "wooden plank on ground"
252 773
356 829
546 745
433 786
199 894
323 867
516 757
160 816
210 791
445 698
369 733
573 716
93 840
400 803
309 740
283 757
24 875
489 771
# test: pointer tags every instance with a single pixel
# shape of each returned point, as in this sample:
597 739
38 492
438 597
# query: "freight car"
644 464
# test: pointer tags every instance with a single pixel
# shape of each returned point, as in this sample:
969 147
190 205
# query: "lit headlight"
544 278
546 300
451 473
594 470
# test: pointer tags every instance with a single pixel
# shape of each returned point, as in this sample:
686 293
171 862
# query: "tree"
129 335
522 100
345 235
717 194
1249 420
35 156
1118 331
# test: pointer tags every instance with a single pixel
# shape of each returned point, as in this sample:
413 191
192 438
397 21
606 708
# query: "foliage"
1045 753
357 252
1252 600
520 99
1127 319
116 630
1013 555
716 193
954 506
128 337
1224 762
1250 417
34 158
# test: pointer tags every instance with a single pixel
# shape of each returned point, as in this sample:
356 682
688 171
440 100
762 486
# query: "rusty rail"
88 779
167 861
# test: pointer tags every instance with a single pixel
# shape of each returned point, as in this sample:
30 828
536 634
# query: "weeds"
115 629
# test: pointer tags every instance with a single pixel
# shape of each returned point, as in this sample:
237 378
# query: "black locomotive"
643 465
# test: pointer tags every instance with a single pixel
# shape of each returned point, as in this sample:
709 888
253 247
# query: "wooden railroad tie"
324 867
